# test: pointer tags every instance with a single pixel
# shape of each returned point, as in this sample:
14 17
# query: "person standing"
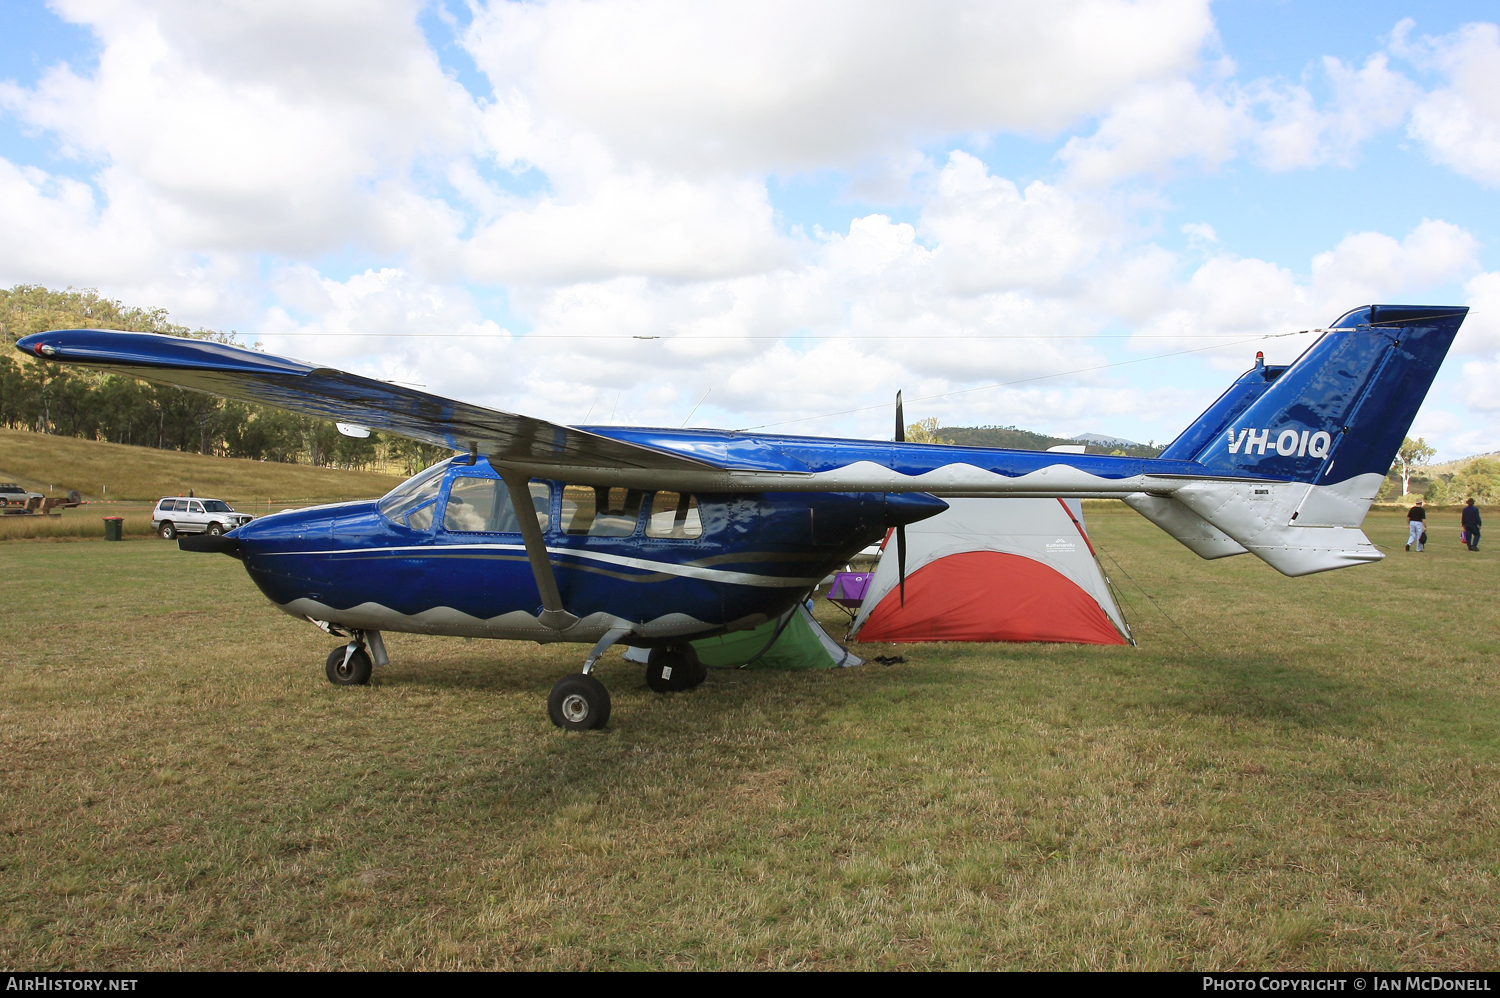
1416 525
1471 525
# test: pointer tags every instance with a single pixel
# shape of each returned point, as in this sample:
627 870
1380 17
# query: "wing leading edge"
248 376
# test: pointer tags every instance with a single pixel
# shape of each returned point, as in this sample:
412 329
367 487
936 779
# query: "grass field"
1313 787
104 471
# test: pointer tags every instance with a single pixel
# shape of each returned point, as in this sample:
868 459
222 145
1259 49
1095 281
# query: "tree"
925 432
1411 454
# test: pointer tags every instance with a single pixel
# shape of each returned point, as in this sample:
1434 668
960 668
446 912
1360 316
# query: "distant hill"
1105 440
39 460
1017 439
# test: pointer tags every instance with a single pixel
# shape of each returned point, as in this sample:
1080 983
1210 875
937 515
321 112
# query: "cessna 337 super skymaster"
597 534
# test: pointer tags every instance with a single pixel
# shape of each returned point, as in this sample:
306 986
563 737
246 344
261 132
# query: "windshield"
217 506
412 493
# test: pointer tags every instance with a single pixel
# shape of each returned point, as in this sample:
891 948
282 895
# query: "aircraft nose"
902 508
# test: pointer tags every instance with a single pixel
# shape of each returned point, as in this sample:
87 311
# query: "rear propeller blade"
901 530
901 559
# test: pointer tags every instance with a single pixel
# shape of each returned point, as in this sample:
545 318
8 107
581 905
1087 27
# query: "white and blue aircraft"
598 534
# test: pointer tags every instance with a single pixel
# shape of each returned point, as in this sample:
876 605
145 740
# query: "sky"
1069 217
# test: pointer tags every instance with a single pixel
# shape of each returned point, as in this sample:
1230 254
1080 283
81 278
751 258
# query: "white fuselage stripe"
664 567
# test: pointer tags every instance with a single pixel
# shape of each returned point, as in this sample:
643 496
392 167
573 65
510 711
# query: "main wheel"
354 672
168 532
578 703
674 669
215 529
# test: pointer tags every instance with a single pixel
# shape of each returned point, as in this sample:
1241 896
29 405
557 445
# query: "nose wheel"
348 667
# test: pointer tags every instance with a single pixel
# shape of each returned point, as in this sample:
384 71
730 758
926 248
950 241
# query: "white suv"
186 515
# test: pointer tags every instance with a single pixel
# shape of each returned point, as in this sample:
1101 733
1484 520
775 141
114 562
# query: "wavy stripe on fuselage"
642 564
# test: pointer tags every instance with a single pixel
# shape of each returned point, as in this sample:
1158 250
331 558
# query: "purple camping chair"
849 588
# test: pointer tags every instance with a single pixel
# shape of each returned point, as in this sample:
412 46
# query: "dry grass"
1316 788
114 471
85 521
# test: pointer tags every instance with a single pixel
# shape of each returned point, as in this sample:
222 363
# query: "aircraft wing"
249 376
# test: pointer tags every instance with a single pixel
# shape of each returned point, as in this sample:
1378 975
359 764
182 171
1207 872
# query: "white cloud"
784 85
254 126
1230 296
1370 267
1177 124
632 224
1460 124
615 185
1481 330
1156 128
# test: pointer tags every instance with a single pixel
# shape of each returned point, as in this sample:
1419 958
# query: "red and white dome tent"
994 570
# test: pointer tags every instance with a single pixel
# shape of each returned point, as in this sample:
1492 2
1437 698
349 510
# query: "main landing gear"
671 670
581 702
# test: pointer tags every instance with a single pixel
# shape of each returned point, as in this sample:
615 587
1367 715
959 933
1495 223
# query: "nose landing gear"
352 664
348 666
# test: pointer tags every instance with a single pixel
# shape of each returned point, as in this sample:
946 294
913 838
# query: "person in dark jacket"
1471 525
1416 522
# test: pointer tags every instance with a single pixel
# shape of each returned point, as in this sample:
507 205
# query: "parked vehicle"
14 499
175 515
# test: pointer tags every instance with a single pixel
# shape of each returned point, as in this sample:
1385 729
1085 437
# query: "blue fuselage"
756 555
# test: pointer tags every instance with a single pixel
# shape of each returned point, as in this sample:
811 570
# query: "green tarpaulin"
801 644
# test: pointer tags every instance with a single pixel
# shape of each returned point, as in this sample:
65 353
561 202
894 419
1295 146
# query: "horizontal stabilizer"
1264 517
1186 527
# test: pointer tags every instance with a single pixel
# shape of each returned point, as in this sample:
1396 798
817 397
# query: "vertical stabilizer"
1303 449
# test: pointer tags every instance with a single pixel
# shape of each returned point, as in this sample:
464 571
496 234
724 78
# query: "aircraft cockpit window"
421 519
592 511
403 503
674 515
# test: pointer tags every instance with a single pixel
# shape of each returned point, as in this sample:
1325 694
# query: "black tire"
215 529
672 670
578 703
355 673
168 531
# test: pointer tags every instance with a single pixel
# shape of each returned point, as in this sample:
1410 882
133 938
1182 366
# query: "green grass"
1316 788
104 471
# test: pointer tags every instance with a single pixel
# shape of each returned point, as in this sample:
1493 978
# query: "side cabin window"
595 511
482 505
674 515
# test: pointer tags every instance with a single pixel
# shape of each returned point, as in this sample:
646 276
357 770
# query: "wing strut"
553 615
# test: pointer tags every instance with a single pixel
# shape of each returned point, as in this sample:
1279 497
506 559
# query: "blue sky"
814 204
